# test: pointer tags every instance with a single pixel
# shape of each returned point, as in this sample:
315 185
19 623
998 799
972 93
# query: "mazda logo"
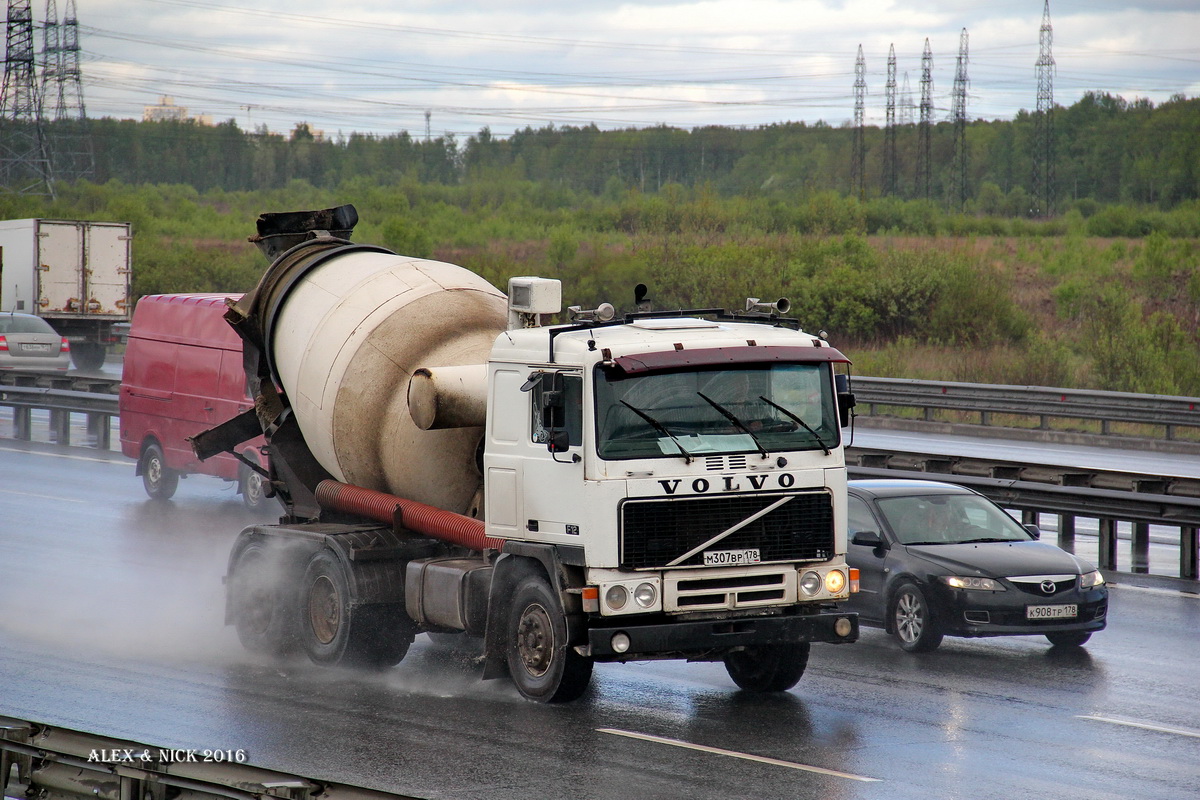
1048 587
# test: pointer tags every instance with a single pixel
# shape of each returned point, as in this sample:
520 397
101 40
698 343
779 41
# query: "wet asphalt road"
111 622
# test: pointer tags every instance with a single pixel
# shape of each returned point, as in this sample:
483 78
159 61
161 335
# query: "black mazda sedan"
936 560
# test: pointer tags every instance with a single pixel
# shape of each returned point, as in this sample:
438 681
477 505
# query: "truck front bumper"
711 639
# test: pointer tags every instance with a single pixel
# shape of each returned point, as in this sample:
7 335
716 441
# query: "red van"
182 375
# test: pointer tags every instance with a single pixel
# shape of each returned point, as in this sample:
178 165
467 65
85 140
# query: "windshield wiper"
807 427
658 426
988 539
730 416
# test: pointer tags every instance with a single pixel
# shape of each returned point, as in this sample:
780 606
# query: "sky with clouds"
382 66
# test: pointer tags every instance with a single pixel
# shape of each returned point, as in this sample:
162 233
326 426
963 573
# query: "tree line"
1106 150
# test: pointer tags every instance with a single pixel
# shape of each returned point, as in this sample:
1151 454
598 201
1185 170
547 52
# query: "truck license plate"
1051 612
731 558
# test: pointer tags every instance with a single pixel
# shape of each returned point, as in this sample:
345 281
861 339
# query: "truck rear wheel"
263 614
768 667
335 633
87 355
543 665
159 480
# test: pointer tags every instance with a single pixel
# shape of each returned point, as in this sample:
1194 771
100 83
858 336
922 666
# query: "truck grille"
656 532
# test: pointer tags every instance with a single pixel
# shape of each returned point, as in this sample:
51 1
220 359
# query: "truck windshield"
752 408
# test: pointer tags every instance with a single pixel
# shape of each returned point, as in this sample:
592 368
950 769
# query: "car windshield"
949 519
710 411
18 323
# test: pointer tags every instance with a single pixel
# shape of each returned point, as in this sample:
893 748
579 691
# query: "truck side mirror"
845 398
559 441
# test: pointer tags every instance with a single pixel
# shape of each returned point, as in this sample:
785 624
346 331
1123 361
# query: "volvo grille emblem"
1048 587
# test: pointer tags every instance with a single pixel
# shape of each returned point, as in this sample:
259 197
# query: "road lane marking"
53 497
67 456
1143 725
734 754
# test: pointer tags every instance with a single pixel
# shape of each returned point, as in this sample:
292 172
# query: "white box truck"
74 274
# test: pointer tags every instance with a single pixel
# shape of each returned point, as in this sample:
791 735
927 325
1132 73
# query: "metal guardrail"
42 761
99 408
1166 413
1105 495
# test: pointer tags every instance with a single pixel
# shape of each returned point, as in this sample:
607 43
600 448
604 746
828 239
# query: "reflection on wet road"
111 621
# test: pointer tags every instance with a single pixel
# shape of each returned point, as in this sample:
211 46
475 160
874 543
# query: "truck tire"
912 620
542 664
263 614
1068 638
159 480
768 667
335 633
87 356
252 487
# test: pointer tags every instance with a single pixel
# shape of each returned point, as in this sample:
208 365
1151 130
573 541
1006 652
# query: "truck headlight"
835 581
645 595
810 582
616 597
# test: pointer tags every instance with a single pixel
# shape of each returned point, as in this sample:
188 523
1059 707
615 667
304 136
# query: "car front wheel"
912 620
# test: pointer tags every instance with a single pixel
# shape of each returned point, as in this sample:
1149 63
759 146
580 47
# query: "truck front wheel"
159 480
543 665
335 633
768 667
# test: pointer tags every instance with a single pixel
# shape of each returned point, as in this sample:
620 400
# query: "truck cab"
693 467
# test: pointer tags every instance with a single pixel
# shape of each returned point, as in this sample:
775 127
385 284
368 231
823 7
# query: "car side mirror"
1034 530
868 539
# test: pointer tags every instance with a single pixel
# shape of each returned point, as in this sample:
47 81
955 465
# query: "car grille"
656 532
1034 585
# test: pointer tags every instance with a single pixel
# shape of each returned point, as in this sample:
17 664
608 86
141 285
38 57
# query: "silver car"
29 343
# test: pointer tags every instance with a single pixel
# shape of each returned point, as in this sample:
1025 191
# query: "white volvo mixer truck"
655 485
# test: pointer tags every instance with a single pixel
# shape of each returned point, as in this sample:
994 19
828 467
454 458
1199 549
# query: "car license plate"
36 348
731 558
1051 612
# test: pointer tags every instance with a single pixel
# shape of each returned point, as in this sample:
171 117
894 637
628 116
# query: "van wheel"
160 480
252 487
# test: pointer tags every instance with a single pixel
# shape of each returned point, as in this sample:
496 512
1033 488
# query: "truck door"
59 247
532 493
107 272
554 480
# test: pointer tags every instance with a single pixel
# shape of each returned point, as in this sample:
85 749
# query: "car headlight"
1090 580
978 584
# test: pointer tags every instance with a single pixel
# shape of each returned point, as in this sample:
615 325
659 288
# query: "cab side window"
547 414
